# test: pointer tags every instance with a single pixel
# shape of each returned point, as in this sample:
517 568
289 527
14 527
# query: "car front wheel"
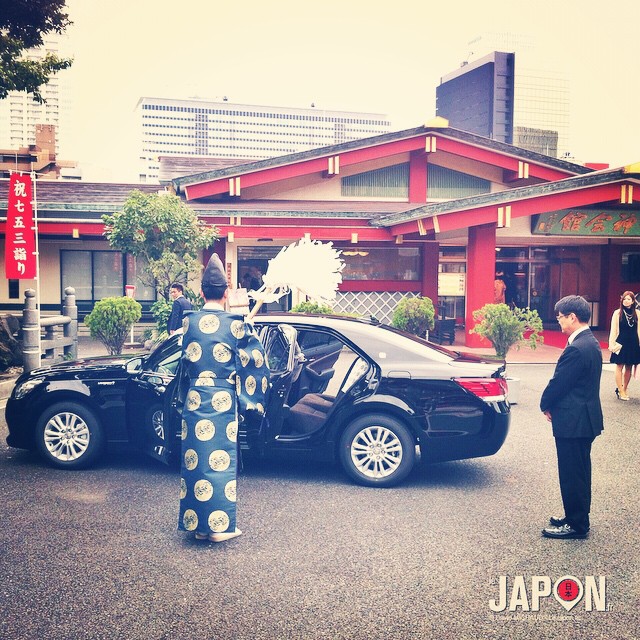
69 436
377 450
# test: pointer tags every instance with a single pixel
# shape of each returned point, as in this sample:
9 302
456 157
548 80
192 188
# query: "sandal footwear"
227 535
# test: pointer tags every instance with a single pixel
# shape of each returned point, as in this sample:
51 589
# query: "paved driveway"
96 554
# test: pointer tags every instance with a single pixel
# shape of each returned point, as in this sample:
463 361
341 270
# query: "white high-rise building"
198 127
20 113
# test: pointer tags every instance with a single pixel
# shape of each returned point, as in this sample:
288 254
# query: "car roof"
377 340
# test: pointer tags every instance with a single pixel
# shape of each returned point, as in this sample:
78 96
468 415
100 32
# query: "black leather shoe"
558 522
564 532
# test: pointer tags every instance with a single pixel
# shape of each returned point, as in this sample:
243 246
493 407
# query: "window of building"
452 283
135 274
108 274
102 274
388 182
445 184
381 263
630 267
14 289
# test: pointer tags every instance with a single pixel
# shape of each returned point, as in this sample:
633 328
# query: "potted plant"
506 327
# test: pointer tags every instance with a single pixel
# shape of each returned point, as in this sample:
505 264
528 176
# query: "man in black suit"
180 305
571 402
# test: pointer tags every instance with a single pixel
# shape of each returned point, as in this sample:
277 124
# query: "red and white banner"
20 244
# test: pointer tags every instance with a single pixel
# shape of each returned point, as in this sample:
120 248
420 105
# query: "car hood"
96 363
465 365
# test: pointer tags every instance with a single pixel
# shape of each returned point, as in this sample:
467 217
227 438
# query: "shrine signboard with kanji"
588 222
20 239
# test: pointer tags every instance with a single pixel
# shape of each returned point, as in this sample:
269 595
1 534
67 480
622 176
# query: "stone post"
30 332
70 309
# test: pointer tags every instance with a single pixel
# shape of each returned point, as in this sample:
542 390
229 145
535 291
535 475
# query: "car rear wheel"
377 451
69 436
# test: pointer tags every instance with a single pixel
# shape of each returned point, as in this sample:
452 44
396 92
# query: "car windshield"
165 356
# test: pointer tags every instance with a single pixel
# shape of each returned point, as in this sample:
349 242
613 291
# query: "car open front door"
149 394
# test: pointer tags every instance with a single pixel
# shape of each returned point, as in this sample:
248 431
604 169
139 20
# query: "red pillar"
481 269
418 176
430 259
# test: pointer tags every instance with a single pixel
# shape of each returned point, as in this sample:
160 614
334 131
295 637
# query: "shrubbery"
505 327
111 320
312 307
415 315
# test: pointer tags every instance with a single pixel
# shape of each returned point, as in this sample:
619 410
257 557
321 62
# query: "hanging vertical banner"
20 243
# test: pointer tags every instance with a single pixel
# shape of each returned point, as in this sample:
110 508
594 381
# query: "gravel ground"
96 554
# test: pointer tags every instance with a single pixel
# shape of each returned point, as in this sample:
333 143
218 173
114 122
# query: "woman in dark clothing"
624 342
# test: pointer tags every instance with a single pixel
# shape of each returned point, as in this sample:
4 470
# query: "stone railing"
54 346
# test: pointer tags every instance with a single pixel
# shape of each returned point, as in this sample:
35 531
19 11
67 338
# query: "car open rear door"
285 362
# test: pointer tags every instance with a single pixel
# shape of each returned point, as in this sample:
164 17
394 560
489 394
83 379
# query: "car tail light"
487 389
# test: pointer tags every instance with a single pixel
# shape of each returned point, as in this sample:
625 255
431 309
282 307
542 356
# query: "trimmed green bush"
415 315
505 327
111 321
322 309
312 307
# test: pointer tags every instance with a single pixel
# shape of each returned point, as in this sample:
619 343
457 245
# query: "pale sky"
381 57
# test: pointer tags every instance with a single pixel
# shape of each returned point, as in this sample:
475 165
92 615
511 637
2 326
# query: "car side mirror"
135 364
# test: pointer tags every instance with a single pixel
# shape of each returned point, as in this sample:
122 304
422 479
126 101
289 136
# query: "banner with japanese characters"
20 243
587 222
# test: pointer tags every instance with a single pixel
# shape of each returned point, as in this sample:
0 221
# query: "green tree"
505 327
415 315
23 23
111 320
163 231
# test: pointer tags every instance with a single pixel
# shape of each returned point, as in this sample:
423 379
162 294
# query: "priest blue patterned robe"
228 375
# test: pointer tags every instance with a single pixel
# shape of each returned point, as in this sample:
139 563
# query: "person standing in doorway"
624 342
499 288
571 402
228 376
180 305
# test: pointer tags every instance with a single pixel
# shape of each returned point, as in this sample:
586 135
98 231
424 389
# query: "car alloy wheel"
157 422
377 450
69 436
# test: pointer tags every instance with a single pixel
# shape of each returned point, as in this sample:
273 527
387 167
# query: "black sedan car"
364 394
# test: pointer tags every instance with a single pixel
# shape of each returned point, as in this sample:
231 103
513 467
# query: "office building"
223 129
20 114
508 94
479 97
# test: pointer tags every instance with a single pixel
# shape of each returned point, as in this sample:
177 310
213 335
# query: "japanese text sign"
20 243
588 222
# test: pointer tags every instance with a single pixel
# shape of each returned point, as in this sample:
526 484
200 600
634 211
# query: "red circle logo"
568 590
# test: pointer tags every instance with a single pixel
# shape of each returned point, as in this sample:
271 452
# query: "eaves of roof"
595 178
302 209
82 193
463 136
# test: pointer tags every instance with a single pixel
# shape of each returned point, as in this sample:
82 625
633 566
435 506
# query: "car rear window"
412 345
